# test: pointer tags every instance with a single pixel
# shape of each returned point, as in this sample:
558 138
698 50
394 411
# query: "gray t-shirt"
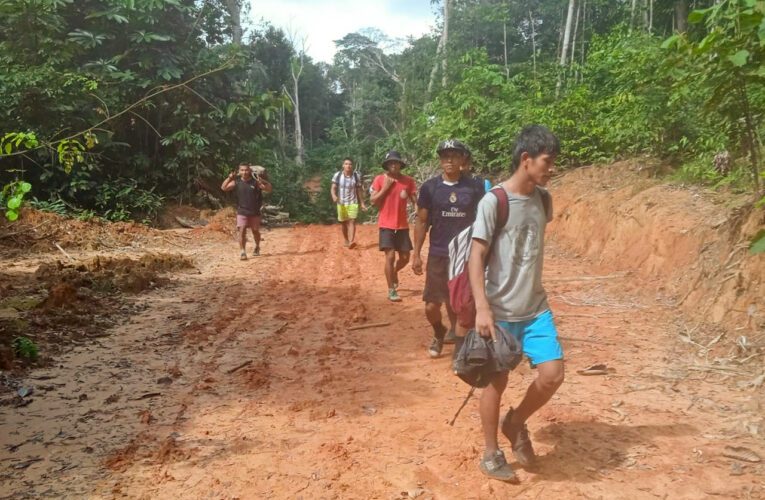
514 274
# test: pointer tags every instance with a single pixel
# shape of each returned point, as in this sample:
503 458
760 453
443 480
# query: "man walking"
249 198
346 193
510 292
446 205
392 192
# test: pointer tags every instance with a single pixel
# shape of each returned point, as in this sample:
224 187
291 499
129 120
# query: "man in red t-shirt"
391 192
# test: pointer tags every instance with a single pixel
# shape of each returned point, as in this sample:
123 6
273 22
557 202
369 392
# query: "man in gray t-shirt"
509 293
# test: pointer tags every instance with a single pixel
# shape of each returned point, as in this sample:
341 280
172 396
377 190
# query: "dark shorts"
436 280
397 240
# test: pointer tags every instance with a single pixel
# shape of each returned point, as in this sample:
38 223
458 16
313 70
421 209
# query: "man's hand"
335 199
388 182
232 176
484 323
417 264
364 206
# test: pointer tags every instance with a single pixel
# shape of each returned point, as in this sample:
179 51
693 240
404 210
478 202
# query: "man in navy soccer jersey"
446 205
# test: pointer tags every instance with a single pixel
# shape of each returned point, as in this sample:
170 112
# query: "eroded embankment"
692 244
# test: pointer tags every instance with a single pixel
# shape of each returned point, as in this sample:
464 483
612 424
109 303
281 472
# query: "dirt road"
243 381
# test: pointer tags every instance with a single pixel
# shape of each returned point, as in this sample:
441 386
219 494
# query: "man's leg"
452 316
491 398
351 232
390 264
549 378
541 346
242 233
433 315
401 262
256 237
344 226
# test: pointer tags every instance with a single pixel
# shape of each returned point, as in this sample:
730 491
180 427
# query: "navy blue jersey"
451 208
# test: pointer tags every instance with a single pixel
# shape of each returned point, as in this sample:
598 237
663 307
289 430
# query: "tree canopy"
112 107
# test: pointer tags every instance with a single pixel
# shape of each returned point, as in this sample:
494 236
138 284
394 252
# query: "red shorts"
251 221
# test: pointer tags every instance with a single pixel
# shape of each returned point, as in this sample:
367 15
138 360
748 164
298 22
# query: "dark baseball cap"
452 144
393 155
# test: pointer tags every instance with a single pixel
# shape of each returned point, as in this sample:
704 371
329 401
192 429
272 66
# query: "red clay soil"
244 381
690 244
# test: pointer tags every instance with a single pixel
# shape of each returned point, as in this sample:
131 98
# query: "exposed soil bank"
691 244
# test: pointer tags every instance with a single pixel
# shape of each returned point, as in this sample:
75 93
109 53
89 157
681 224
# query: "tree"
567 32
296 70
234 11
681 16
441 51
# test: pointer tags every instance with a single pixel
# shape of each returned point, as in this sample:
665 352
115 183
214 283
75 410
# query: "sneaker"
256 252
451 337
518 435
243 256
497 468
436 346
393 295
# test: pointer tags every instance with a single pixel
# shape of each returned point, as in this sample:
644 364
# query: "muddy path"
243 381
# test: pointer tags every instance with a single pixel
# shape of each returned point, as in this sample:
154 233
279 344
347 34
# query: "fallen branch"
586 278
239 367
368 325
63 252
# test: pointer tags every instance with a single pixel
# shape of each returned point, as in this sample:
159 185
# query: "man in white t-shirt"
346 194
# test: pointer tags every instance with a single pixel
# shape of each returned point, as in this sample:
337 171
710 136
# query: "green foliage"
727 63
124 200
11 198
130 103
25 348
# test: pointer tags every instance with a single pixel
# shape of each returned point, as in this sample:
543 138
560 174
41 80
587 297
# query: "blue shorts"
538 338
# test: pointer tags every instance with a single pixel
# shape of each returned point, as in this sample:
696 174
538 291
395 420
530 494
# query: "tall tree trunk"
645 13
567 32
504 46
440 50
650 16
583 36
296 70
234 8
681 15
445 51
573 38
632 14
533 43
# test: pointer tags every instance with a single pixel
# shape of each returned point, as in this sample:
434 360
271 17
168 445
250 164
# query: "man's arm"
229 183
420 230
360 196
379 195
484 318
333 191
265 186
